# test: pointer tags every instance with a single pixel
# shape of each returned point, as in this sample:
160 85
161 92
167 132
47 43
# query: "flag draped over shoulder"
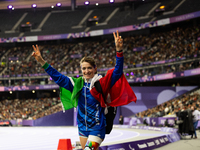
70 99
120 94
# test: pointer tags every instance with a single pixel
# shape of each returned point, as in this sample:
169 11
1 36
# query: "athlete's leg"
92 139
83 141
83 136
93 142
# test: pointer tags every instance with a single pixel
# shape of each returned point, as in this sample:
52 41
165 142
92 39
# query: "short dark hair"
89 60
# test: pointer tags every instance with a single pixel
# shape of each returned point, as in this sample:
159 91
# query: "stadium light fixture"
10 6
111 1
52 6
87 3
34 5
162 7
58 4
97 4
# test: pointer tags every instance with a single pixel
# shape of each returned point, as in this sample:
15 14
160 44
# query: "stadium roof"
47 3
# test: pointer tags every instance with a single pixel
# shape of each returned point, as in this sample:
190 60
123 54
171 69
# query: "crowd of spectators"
28 108
175 44
49 111
171 107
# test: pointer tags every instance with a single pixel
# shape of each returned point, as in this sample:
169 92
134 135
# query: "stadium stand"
61 21
28 108
178 42
186 7
170 108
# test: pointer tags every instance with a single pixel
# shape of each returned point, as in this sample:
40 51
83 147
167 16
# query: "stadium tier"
161 49
41 21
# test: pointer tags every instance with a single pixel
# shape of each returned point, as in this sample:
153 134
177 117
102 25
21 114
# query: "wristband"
45 66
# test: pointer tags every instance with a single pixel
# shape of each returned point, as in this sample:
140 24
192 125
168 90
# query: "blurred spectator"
121 120
196 117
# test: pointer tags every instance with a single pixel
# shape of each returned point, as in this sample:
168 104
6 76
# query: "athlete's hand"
118 41
38 55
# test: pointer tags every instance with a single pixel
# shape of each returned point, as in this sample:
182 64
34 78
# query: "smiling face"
88 70
88 67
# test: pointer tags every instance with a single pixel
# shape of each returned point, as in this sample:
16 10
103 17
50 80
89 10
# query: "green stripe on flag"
65 97
68 99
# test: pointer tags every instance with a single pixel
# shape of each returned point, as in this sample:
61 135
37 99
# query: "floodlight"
162 7
58 4
9 6
111 1
34 5
87 3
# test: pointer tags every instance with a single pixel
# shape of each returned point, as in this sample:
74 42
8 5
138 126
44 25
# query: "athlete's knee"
90 145
93 143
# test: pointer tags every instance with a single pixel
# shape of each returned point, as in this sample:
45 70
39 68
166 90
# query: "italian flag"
120 94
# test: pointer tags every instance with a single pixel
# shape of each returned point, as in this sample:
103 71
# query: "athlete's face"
88 70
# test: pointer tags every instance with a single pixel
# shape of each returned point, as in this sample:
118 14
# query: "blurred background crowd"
176 46
28 108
